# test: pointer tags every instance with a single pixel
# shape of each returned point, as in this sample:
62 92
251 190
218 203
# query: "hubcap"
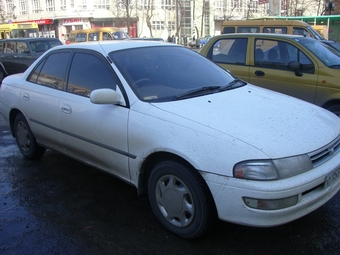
23 136
175 201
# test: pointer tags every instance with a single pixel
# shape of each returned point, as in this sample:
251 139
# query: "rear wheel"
25 139
2 74
181 200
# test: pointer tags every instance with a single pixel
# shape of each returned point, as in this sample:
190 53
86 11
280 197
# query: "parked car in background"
200 42
148 39
204 40
97 34
335 45
200 143
295 65
17 54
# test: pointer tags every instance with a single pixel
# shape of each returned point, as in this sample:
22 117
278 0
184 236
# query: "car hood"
274 123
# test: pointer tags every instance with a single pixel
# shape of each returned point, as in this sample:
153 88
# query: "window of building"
10 6
82 5
22 7
158 25
219 4
102 4
171 25
122 5
168 4
144 4
36 6
63 5
50 5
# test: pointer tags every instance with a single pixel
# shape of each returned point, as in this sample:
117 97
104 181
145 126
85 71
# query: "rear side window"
81 37
107 36
230 51
47 74
72 38
248 30
9 48
94 36
275 30
229 30
22 47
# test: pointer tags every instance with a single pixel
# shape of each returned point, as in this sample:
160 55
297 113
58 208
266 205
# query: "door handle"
259 73
66 109
26 96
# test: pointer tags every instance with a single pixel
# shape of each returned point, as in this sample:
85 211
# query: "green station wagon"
17 54
295 65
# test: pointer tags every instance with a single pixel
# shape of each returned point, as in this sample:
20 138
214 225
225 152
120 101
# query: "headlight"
266 170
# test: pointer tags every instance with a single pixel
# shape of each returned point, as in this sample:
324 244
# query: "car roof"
268 35
115 45
30 39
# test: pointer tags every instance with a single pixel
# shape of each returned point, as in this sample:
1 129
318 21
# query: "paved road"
59 206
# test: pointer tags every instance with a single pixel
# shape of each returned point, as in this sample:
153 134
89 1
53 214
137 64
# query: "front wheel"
181 200
25 139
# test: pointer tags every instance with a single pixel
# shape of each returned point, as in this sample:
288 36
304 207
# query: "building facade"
150 18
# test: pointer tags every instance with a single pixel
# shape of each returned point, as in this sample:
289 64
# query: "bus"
19 30
97 34
276 26
328 25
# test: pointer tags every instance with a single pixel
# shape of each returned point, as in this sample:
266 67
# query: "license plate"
332 177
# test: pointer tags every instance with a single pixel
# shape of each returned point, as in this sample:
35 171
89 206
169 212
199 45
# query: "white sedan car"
198 142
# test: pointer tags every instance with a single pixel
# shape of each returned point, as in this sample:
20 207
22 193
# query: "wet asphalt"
57 205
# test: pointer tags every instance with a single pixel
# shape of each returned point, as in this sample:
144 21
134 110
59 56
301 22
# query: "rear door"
7 56
231 54
23 58
40 98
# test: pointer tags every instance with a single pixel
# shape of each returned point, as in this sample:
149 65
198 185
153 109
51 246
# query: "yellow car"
294 65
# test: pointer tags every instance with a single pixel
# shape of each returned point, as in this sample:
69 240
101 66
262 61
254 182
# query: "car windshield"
326 54
315 34
159 74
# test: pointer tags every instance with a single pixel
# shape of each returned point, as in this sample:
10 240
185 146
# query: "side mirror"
104 96
295 66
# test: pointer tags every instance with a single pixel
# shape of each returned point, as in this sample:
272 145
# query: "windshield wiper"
234 84
334 66
197 92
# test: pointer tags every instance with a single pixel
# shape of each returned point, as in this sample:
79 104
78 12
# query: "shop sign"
72 20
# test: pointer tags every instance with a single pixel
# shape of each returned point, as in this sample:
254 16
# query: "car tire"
334 109
181 200
26 140
2 74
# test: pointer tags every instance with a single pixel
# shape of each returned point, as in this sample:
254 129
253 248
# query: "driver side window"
89 72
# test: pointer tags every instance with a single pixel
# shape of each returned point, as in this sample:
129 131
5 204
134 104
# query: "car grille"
322 155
